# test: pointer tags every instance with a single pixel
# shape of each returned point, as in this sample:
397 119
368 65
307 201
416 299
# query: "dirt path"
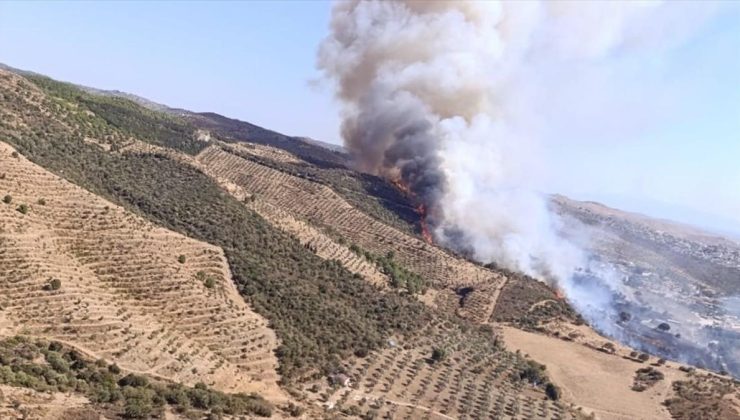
541 303
496 294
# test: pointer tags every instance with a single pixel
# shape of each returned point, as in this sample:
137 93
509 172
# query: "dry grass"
704 397
602 383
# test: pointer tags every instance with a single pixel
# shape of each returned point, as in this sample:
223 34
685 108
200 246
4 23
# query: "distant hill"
668 273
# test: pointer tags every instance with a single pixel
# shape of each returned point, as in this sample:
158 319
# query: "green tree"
552 391
438 354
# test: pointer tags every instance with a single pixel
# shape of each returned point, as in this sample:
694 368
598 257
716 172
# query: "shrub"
14 154
181 259
260 407
138 403
295 410
371 415
57 363
646 377
134 381
23 209
643 357
176 395
438 354
664 326
131 396
53 284
7 199
532 372
552 391
42 201
210 282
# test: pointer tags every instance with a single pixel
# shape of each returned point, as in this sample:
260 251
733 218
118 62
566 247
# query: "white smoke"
448 96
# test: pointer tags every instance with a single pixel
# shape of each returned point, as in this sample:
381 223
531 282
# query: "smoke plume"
450 99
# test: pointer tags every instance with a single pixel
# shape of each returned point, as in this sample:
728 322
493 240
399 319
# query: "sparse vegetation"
53 284
645 378
131 396
702 397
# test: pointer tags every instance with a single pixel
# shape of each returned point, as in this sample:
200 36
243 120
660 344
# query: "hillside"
673 275
324 299
117 276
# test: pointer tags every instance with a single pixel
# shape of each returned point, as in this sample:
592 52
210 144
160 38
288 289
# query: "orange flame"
559 294
398 183
421 210
425 233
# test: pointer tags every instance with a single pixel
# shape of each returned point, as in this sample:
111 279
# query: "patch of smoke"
448 96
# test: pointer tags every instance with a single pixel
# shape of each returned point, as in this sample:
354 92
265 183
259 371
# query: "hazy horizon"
643 130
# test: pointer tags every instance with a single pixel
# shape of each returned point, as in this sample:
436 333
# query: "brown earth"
599 382
125 295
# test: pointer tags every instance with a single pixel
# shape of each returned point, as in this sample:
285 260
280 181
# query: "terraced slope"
321 206
319 310
149 299
474 379
309 236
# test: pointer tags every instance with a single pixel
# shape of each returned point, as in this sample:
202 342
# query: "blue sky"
674 153
250 60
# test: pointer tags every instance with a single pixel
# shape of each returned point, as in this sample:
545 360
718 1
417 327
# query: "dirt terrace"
131 292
